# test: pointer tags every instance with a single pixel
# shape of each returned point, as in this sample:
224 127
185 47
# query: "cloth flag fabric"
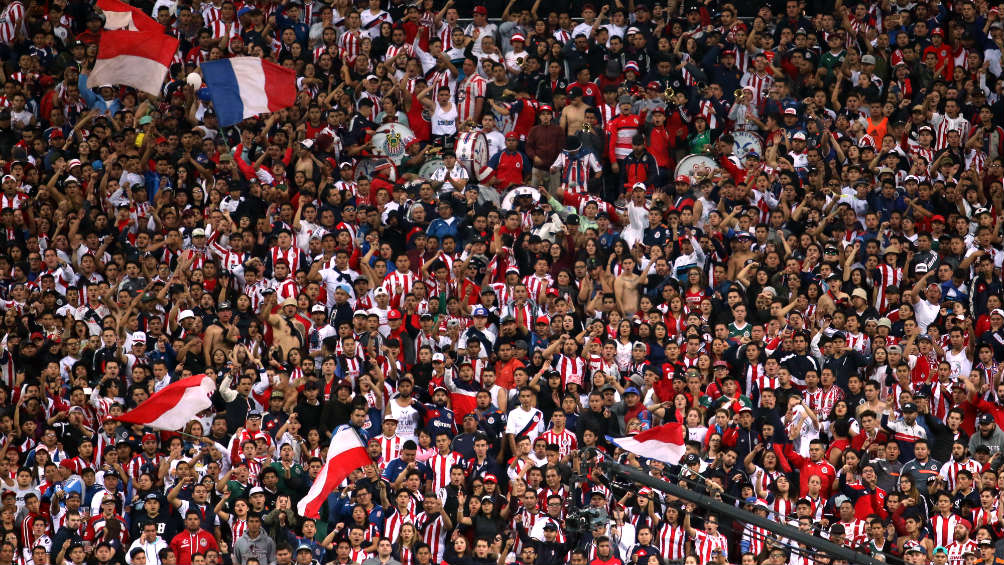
463 403
664 443
175 405
241 87
346 453
139 59
119 15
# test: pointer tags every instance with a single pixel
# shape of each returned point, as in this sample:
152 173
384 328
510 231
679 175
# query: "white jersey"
523 423
408 420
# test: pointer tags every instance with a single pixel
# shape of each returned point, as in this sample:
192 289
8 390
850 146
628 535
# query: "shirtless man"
221 334
574 113
284 324
741 254
626 287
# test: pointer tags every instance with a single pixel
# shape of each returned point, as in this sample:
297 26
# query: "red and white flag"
175 405
346 453
664 443
139 59
119 15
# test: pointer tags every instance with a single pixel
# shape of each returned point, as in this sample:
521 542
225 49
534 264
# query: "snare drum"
472 152
429 167
391 140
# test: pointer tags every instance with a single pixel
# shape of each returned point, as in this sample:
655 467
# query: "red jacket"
186 544
807 468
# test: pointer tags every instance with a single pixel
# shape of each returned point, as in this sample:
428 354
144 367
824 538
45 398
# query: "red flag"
346 453
175 405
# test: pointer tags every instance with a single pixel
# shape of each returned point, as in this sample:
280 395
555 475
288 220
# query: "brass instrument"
520 61
586 128
669 92
738 93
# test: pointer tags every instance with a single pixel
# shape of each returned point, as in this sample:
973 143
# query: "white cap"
318 308
438 357
185 314
139 337
198 232
799 135
379 290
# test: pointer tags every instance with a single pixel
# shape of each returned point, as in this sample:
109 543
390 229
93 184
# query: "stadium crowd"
778 225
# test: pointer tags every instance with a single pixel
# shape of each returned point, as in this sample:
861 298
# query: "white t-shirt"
925 313
408 421
519 419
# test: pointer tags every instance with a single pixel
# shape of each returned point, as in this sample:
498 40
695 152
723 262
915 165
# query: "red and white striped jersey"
219 29
390 448
15 201
860 342
950 471
291 256
10 22
237 526
572 369
348 43
468 92
398 279
759 84
140 461
707 109
358 555
943 124
433 533
957 549
943 528
536 285
888 276
227 257
440 465
286 289
705 544
856 532
984 517
565 440
671 540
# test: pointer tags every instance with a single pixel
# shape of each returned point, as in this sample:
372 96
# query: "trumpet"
520 61
738 93
669 92
586 128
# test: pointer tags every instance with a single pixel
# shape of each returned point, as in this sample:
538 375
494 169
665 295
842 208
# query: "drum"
697 167
383 167
430 166
472 152
390 140
746 141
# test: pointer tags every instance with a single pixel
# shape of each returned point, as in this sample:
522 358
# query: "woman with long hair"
403 548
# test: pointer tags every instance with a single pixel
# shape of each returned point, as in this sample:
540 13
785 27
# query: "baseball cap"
799 135
480 312
394 314
256 490
790 112
986 419
438 357
543 320
318 308
490 478
632 390
149 437
909 407
185 314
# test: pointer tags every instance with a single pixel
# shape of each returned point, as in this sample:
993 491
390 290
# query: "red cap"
480 10
546 108
149 437
490 478
654 85
937 218
543 320
394 314
683 178
36 335
161 139
938 31
512 135
517 37
552 292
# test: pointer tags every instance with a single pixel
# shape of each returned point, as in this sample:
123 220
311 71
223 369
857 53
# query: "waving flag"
139 59
241 87
346 453
119 15
664 443
175 405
